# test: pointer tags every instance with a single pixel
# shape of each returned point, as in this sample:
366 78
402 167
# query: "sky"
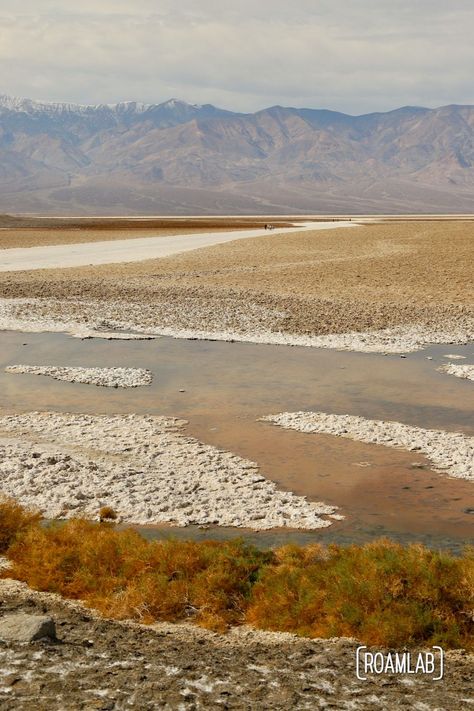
355 56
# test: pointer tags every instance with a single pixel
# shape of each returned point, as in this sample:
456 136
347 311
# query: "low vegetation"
107 513
381 593
14 520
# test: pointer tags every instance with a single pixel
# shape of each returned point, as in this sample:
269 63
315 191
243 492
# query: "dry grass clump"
14 520
381 593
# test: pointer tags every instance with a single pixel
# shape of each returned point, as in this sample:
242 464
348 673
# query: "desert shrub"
14 520
125 576
382 593
107 513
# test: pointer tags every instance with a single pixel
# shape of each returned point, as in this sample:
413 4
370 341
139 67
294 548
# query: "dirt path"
135 250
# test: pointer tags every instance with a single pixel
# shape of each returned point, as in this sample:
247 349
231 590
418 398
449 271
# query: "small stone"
26 628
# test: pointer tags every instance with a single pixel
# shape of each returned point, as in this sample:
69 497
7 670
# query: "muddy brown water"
228 386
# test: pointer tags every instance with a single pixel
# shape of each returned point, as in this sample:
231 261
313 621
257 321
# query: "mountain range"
179 158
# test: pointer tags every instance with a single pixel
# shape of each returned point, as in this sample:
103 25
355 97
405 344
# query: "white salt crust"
105 377
449 452
145 469
79 318
459 371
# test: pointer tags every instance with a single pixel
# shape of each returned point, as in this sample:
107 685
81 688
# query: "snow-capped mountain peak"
31 106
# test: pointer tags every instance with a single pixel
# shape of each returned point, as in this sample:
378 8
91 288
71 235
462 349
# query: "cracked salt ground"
251 323
145 469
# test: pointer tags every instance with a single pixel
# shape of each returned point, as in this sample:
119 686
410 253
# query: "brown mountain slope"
177 157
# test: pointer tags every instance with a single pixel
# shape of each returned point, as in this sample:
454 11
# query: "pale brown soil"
101 664
334 281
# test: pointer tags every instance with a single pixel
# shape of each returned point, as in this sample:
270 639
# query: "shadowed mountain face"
175 157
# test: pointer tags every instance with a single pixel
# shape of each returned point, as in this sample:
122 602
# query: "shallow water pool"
228 386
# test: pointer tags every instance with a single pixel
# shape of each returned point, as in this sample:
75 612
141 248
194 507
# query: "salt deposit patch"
144 468
247 323
459 371
106 377
450 452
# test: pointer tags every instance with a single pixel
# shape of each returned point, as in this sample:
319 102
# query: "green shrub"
382 593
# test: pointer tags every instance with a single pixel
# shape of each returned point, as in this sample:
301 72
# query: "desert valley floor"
297 384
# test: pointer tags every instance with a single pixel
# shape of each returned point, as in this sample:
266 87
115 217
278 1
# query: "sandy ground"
104 377
450 452
383 287
136 250
146 469
112 666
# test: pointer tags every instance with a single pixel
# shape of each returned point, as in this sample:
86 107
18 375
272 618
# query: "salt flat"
134 250
388 288
146 468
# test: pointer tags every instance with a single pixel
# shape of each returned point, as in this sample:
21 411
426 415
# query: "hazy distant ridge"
179 157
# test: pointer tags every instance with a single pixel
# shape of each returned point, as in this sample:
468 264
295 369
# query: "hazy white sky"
351 55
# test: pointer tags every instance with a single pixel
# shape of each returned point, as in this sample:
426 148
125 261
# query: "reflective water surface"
228 386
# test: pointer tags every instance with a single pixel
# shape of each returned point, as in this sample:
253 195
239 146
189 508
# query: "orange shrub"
125 576
107 513
381 593
14 520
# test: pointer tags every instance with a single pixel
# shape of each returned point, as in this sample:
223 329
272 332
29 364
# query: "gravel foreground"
113 666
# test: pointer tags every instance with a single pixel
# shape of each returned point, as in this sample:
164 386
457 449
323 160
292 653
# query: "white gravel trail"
449 452
135 250
105 377
145 469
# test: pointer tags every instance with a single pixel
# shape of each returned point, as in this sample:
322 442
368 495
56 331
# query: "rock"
26 628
